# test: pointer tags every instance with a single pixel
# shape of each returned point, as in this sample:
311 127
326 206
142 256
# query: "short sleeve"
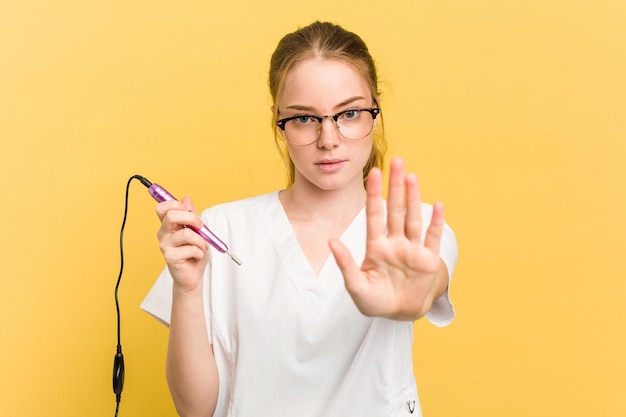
158 302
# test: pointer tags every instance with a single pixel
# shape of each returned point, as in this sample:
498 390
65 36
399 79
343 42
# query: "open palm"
400 275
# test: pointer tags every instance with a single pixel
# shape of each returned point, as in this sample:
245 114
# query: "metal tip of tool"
234 258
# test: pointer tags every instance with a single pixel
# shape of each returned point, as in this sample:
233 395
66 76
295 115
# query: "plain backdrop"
510 112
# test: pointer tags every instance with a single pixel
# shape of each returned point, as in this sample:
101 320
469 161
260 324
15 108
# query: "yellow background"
513 113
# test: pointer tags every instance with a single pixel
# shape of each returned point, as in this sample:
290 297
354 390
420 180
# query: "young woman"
318 320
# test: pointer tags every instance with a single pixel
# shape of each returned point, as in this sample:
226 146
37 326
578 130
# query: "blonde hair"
328 41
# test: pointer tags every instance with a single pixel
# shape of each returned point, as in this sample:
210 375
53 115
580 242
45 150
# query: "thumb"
345 261
188 205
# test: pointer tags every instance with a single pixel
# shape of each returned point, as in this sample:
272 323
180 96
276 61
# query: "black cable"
118 363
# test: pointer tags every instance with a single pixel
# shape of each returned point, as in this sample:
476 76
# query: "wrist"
187 292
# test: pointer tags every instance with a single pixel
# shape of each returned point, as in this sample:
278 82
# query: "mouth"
331 165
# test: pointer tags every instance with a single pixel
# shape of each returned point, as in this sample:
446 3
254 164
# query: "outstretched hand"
402 274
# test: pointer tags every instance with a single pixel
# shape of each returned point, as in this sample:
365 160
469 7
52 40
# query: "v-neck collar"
289 248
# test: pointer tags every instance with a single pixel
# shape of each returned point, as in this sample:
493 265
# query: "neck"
323 205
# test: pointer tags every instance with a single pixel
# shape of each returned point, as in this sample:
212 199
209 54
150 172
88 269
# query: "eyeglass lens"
352 125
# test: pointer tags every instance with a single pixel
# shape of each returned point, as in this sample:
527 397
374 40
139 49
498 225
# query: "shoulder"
244 207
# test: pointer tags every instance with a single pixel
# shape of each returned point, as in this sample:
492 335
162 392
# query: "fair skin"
401 274
328 188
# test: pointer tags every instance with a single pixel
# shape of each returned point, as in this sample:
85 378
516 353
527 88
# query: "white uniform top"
288 342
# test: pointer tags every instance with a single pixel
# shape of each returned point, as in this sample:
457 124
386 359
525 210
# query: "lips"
331 165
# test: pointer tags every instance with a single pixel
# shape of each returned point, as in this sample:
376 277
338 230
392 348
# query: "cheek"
296 153
366 149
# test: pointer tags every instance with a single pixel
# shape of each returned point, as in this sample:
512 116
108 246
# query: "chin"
334 182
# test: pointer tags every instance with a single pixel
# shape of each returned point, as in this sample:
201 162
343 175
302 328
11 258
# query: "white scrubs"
288 342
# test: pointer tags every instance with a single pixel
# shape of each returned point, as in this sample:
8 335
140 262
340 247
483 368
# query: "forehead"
323 84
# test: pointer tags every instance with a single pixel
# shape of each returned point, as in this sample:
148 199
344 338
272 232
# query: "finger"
188 204
178 250
186 237
165 206
195 221
395 201
433 234
175 219
374 205
181 219
345 261
413 226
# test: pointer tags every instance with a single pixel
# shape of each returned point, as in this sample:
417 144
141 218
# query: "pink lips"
331 165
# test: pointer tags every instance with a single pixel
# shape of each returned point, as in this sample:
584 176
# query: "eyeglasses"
352 124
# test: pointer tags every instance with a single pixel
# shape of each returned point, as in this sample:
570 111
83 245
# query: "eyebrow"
342 104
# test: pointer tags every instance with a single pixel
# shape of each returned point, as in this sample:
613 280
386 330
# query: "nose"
329 134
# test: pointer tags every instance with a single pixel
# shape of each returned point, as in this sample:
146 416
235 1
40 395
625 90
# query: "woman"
296 330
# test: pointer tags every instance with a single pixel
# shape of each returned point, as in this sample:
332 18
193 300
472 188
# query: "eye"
304 120
350 114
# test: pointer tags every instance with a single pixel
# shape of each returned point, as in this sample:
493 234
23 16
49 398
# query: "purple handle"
160 194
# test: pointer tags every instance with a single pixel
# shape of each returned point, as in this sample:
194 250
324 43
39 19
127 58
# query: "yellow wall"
511 112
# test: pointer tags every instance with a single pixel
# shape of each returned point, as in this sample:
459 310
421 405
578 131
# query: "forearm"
191 370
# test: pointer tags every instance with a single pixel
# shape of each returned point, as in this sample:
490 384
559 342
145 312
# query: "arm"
402 273
191 370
